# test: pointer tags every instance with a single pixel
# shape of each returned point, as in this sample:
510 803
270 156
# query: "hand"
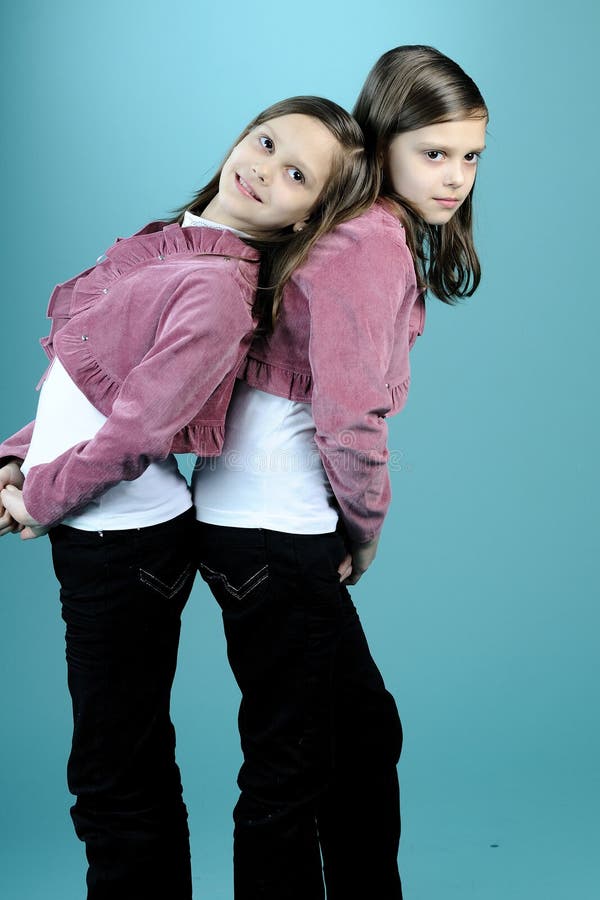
12 501
362 555
345 568
33 531
9 474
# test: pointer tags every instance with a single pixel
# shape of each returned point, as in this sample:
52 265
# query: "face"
275 175
434 167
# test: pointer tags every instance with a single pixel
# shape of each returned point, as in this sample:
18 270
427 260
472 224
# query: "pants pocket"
236 589
166 588
233 562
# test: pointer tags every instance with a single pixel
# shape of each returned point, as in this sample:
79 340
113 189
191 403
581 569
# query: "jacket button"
105 290
387 384
84 337
160 256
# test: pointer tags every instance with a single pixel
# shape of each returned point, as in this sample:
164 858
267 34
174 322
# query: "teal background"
482 607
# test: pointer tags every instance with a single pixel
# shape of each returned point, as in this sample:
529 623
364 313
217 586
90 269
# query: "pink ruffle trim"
276 380
156 242
102 389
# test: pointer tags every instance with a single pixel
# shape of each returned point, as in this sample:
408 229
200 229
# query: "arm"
355 564
201 337
16 446
354 300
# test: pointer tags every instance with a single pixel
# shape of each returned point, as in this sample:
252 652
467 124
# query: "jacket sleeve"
354 300
202 336
16 446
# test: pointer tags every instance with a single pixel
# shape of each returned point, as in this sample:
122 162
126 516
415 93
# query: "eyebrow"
304 167
433 145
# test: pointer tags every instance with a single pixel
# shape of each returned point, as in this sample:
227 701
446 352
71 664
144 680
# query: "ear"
299 226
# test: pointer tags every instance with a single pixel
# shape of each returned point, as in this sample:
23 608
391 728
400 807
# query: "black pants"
122 595
320 734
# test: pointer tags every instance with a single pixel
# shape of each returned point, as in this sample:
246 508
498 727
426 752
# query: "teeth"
247 187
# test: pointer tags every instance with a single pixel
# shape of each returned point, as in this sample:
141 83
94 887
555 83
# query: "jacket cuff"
16 446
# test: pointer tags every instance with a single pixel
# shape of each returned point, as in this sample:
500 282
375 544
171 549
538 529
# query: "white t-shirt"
270 474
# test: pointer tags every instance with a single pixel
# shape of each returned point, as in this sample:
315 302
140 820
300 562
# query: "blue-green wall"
482 607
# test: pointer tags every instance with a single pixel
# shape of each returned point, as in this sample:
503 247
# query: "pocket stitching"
244 589
166 590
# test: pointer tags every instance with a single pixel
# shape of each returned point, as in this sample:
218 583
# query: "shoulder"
169 253
374 238
364 254
376 224
378 220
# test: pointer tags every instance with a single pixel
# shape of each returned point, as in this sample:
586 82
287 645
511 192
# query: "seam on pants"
166 590
240 592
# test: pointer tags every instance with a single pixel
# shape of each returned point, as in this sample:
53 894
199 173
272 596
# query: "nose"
261 170
454 175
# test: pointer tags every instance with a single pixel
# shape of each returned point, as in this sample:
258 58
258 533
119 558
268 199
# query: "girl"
145 346
320 734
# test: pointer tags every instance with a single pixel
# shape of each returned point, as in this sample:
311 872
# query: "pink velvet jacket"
153 335
347 322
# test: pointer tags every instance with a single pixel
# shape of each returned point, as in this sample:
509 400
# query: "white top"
270 474
190 219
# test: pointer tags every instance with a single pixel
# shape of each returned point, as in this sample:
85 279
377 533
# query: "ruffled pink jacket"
153 335
348 320
128 331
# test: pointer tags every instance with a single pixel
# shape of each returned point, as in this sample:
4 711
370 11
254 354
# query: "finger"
7 524
9 497
345 567
7 529
30 532
12 498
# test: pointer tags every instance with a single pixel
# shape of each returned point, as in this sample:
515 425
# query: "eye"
266 142
434 155
473 157
296 175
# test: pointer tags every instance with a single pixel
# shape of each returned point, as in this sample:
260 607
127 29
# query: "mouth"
448 202
245 188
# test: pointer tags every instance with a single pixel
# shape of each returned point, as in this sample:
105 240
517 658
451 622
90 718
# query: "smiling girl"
145 346
306 499
249 176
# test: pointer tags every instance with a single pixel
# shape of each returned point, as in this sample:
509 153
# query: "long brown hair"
410 87
352 187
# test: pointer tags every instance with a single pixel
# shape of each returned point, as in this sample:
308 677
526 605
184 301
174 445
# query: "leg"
122 594
359 815
282 613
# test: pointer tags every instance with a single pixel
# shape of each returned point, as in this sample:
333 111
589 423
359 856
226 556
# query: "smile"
244 188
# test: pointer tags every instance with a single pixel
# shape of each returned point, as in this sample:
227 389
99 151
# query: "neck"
214 213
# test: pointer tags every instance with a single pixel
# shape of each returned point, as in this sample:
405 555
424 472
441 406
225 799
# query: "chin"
441 218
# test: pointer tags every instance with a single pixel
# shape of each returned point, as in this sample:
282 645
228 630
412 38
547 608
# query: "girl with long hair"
144 349
292 511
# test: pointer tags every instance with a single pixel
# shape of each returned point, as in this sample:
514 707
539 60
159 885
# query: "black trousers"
122 595
320 734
